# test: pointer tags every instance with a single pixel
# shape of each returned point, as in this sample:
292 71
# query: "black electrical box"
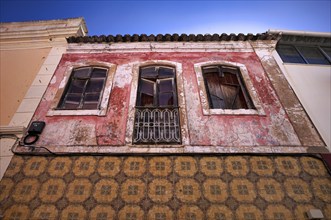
36 127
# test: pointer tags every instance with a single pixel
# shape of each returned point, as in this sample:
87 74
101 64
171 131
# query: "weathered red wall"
224 130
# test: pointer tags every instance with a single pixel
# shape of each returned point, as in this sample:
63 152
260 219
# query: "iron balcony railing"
156 126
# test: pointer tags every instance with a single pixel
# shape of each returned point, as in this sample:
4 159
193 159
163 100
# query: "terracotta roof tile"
171 38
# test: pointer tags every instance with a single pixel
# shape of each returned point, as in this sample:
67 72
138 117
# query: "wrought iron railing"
156 126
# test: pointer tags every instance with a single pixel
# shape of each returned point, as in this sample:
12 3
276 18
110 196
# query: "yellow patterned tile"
59 166
6 186
102 212
122 188
79 190
215 190
74 212
219 212
109 166
211 166
84 166
134 166
313 166
35 166
278 212
45 212
188 212
270 190
288 166
242 190
297 189
248 212
160 166
262 166
52 190
236 166
185 166
188 190
105 190
17 212
160 212
133 190
321 187
26 190
15 166
131 212
160 190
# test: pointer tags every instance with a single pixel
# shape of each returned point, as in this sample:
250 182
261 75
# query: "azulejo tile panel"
164 187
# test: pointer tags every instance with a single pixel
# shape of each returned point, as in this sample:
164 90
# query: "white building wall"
312 85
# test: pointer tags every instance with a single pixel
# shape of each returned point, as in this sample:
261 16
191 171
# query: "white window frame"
249 87
181 102
70 66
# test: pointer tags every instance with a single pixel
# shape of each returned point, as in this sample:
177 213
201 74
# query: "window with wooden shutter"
225 88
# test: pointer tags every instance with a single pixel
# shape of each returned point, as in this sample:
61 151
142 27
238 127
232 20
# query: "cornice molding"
227 46
40 34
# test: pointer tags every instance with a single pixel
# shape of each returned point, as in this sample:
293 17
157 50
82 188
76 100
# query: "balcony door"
157 112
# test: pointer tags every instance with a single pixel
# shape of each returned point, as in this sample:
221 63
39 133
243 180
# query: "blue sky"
154 17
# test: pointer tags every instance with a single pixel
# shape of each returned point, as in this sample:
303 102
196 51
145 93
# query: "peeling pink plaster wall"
273 128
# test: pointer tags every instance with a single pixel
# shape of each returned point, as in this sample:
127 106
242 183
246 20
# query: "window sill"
97 112
259 112
155 146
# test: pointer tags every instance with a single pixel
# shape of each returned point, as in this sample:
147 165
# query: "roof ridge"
172 38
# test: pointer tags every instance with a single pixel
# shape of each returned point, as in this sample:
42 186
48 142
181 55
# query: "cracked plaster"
271 131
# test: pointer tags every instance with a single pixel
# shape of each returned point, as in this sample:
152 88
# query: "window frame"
149 114
84 91
135 70
63 86
241 87
156 93
304 58
251 91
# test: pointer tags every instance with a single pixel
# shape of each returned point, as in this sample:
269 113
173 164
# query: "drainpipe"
299 33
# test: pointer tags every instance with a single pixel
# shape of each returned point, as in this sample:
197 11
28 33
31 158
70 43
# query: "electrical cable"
11 136
33 147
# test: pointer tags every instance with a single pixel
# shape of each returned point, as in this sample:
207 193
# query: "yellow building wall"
18 69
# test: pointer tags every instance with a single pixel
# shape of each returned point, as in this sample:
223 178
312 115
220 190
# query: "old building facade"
131 80
168 127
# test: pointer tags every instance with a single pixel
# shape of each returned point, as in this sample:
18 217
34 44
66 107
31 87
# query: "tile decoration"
164 187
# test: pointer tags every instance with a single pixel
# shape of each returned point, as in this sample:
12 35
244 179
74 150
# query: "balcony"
156 126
